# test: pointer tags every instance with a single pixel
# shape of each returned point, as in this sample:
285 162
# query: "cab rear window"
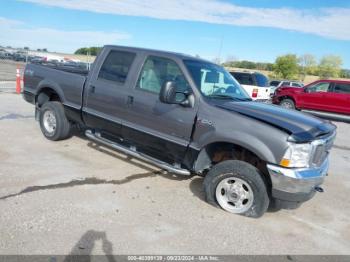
261 80
244 78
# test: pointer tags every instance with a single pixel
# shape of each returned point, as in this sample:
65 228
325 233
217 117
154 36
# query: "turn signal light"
285 162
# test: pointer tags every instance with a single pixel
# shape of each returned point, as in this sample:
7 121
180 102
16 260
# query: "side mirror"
169 95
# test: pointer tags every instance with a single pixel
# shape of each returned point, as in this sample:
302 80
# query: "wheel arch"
216 152
48 92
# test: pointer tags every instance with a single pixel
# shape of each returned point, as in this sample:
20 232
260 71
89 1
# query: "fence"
11 59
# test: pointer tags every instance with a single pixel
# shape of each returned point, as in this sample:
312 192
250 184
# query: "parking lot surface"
75 197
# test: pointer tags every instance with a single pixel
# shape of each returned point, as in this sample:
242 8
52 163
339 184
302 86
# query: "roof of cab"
160 52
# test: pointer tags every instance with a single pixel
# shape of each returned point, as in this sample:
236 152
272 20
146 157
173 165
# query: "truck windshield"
214 81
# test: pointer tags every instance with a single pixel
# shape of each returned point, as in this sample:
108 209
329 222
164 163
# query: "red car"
325 98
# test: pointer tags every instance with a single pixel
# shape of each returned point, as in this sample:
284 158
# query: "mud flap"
37 113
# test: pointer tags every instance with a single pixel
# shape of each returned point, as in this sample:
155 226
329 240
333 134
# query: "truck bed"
67 83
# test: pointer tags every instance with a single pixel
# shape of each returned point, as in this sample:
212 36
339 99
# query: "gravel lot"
74 197
8 69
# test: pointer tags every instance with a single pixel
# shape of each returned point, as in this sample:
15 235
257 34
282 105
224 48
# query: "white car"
274 84
255 84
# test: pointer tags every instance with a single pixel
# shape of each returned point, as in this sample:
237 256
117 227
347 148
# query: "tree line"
94 50
290 66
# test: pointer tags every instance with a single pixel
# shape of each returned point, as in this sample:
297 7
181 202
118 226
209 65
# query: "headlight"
297 155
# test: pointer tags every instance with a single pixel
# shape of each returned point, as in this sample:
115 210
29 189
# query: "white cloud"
327 22
16 33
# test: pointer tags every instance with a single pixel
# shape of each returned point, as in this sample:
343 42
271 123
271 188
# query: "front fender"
264 140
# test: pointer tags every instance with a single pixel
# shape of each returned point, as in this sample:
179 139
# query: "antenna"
220 48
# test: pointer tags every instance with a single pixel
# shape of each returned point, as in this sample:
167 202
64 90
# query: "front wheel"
53 121
237 187
287 103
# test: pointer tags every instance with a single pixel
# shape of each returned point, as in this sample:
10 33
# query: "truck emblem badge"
205 122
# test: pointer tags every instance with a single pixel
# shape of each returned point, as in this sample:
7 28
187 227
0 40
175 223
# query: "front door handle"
130 100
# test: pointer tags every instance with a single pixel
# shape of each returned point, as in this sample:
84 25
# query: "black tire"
287 103
245 172
63 127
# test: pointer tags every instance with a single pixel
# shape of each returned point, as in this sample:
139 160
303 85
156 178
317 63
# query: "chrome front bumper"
296 181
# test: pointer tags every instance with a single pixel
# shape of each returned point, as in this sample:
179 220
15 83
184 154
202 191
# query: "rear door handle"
130 100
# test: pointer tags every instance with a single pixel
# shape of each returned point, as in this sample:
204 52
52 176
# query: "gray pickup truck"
190 117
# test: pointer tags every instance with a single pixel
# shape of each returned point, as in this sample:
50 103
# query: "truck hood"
302 127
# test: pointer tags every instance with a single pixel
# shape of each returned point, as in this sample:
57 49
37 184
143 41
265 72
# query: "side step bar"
95 136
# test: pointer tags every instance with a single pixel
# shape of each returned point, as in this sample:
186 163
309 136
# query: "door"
107 91
158 129
339 98
315 97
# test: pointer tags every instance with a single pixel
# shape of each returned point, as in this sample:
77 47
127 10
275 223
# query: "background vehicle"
274 84
256 84
327 98
35 59
187 116
6 55
19 57
2 55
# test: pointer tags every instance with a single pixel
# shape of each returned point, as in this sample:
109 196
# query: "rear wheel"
237 187
287 103
53 121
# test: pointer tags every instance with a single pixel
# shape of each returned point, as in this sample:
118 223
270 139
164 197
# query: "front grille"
321 150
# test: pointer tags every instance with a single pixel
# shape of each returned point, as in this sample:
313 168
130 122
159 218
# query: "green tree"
94 50
345 73
330 66
308 64
286 66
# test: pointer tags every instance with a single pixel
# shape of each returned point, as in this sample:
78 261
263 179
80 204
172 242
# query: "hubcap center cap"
234 195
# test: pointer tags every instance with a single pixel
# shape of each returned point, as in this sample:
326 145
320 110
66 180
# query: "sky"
256 30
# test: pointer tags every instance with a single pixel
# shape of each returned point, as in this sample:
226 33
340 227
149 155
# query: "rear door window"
116 66
341 88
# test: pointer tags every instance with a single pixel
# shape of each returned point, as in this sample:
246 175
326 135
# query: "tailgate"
257 93
264 92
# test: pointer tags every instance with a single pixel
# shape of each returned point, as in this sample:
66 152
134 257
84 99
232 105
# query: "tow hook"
319 189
